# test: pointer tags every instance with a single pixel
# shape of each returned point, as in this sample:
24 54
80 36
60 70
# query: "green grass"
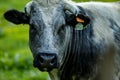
15 56
16 74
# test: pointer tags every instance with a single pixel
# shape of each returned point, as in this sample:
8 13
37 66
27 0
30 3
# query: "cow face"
49 32
47 35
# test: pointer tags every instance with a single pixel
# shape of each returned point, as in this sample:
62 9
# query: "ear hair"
70 18
16 17
28 8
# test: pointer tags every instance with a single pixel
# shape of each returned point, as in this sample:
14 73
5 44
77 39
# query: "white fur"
28 7
69 5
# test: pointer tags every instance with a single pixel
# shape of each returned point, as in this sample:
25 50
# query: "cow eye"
61 29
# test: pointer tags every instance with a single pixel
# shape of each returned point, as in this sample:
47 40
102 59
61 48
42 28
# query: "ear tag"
79 20
79 26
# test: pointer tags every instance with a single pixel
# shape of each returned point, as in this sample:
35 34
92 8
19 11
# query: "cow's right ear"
16 17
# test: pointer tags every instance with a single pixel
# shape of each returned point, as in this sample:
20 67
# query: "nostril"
46 59
41 59
53 61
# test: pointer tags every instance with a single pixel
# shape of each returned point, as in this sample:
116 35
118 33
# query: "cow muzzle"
46 61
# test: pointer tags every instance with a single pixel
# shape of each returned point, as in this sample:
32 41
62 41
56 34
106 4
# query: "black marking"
16 17
70 18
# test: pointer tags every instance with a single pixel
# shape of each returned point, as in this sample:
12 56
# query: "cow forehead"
37 4
48 2
47 14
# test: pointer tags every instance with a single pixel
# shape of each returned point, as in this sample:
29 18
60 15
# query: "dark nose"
46 61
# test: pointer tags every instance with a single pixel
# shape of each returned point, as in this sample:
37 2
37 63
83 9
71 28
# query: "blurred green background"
15 56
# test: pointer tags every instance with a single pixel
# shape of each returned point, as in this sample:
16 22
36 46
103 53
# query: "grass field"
15 56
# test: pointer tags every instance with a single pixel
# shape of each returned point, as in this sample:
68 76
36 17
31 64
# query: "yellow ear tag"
79 20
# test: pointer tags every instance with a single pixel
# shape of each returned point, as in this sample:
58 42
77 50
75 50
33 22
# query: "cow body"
93 53
69 53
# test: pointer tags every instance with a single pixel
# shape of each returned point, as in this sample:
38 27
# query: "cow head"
50 30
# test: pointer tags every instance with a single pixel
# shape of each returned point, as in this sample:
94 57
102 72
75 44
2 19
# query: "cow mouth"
45 69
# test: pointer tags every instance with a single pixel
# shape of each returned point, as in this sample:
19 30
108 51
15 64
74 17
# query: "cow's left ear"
72 19
16 17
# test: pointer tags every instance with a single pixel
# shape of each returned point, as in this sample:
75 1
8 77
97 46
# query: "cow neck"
80 57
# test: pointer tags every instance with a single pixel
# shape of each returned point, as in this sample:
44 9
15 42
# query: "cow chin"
45 69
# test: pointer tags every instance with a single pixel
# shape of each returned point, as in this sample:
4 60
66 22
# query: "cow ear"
72 19
16 17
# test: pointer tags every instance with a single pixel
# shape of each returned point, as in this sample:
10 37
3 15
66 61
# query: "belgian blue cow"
73 41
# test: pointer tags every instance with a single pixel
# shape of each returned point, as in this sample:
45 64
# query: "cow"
73 41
